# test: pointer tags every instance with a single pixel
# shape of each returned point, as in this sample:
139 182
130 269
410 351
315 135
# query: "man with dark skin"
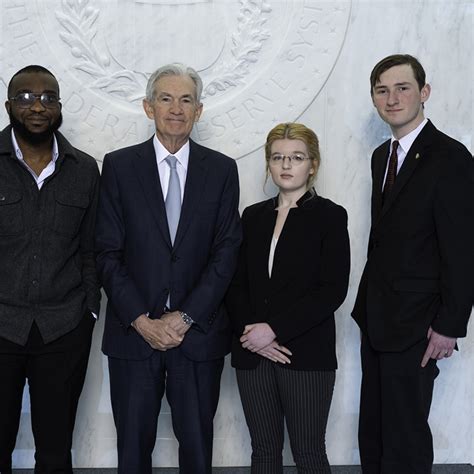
49 292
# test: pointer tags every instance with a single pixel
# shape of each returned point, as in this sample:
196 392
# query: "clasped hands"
260 338
164 333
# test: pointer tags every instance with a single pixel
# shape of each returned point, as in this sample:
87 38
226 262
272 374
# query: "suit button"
174 258
265 301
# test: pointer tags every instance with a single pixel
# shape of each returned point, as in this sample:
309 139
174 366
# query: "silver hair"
175 69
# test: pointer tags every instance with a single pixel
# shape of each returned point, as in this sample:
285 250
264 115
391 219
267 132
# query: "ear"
7 107
148 108
198 113
425 93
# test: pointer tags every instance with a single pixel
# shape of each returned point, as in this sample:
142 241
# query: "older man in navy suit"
168 234
416 292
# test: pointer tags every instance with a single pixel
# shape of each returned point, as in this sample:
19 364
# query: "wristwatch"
187 319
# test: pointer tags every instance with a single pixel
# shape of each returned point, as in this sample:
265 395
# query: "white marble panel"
262 62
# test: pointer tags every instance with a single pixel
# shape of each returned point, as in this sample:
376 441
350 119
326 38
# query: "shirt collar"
19 154
182 155
406 142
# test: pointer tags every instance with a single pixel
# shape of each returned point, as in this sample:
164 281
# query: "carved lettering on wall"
261 61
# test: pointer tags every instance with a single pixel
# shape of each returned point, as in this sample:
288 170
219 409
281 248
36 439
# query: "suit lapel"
147 171
415 155
193 190
266 227
290 237
379 166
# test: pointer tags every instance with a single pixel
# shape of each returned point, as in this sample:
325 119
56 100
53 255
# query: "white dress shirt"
404 146
182 157
182 160
271 255
49 168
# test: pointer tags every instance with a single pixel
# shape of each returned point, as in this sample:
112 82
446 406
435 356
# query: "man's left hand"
439 347
175 321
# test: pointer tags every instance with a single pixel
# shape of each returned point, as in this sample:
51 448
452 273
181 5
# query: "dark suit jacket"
420 259
138 265
309 280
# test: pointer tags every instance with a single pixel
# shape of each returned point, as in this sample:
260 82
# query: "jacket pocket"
418 285
11 213
70 207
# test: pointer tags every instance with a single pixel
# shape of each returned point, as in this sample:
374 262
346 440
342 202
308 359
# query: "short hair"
295 131
31 69
397 60
175 69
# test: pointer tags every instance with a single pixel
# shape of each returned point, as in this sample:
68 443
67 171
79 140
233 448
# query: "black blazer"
420 258
140 267
309 280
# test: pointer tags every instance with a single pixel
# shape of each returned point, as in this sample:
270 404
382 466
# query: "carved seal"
261 61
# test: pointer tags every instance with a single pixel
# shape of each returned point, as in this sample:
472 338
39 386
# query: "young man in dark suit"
48 282
168 235
416 291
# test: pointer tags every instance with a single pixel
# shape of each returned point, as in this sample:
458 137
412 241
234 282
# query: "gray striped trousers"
270 395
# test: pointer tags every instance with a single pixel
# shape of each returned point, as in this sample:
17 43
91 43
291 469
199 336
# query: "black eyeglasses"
25 100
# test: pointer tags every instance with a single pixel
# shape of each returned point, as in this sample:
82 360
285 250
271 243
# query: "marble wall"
263 61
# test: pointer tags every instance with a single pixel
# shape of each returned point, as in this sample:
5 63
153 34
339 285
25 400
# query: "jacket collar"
307 200
64 147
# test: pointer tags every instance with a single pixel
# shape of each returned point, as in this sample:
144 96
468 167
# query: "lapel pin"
417 156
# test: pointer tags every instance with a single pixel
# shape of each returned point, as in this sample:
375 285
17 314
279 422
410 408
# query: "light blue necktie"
173 198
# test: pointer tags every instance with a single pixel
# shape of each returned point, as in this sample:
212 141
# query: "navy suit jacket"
139 266
419 267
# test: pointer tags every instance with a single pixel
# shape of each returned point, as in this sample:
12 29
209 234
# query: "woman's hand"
276 353
257 336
